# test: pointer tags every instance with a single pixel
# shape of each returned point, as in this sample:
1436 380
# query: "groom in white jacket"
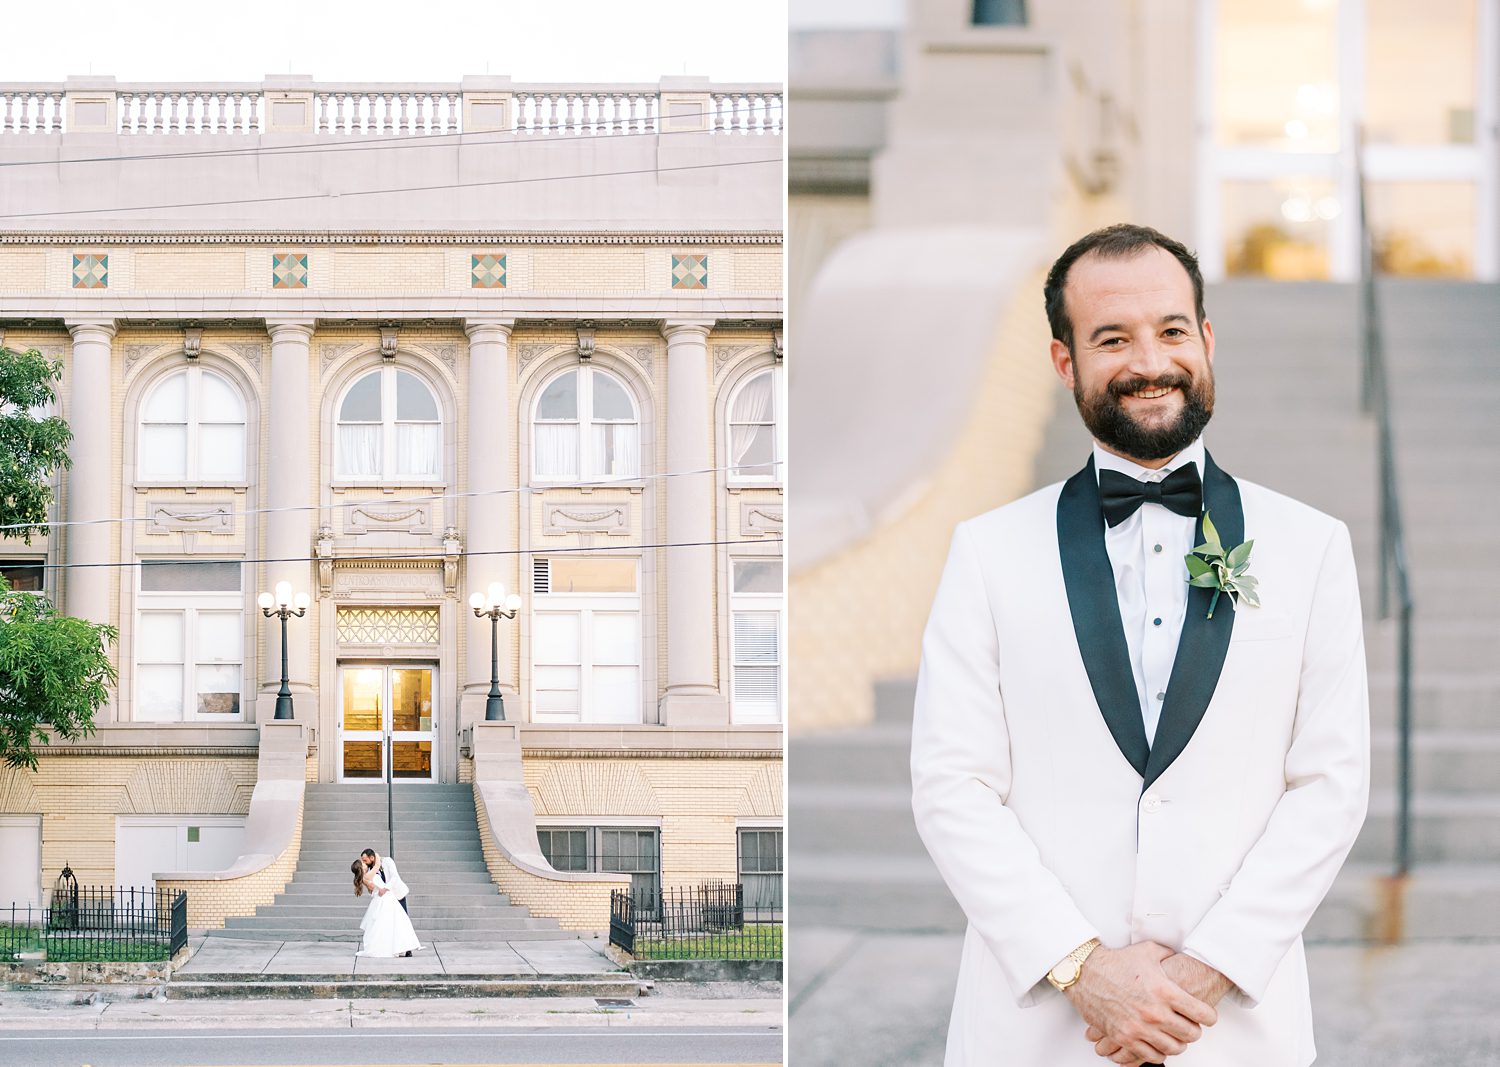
385 870
1138 771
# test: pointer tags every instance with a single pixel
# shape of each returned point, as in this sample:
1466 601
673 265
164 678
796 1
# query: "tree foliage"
55 673
33 445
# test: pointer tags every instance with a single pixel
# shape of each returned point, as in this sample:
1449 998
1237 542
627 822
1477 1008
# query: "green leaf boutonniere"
1210 567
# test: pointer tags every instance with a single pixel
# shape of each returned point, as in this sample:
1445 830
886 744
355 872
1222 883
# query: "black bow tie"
1180 492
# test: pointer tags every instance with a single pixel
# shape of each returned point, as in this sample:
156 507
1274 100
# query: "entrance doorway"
386 723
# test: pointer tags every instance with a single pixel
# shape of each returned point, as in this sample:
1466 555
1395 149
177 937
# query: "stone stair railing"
298 105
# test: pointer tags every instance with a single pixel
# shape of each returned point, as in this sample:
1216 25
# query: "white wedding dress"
387 929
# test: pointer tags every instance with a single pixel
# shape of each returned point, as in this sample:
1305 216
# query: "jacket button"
1151 803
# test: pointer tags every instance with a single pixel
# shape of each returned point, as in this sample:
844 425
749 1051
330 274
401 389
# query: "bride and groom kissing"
386 926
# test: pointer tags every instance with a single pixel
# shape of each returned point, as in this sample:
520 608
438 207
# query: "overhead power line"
424 499
395 557
384 192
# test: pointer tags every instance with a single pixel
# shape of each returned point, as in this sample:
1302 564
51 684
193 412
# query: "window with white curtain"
189 641
760 869
389 429
586 428
757 639
586 640
192 429
755 445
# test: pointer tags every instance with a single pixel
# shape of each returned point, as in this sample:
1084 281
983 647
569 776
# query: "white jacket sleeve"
961 775
1288 871
393 878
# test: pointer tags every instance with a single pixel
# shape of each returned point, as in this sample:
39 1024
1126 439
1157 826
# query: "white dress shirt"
1146 552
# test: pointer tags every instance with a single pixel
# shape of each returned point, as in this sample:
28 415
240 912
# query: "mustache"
1126 386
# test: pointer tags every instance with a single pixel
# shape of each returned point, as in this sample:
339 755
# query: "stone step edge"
203 977
343 989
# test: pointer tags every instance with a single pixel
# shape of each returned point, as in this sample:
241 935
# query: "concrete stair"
438 849
234 986
1288 417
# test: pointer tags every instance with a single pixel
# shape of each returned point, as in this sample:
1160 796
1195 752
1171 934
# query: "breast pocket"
1259 624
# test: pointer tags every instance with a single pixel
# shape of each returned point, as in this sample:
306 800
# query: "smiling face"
1140 367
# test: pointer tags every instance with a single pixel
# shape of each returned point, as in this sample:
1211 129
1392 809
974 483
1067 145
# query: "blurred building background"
940 157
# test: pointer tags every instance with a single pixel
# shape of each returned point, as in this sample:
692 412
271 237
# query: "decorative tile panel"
288 270
388 626
91 272
487 272
689 272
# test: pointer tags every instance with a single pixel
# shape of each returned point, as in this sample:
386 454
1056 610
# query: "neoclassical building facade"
559 380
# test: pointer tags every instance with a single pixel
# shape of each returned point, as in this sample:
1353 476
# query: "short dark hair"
370 852
1120 241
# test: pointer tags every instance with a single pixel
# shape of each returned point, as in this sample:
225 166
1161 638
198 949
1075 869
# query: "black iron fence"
704 922
97 923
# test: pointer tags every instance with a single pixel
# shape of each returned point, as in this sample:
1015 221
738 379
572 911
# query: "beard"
1106 418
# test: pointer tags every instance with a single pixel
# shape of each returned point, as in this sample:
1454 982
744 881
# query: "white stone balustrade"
101 105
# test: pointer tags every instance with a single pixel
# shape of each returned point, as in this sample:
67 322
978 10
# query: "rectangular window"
757 640
189 642
24 575
586 640
760 861
619 850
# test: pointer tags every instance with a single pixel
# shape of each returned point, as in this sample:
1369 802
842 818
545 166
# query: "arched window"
389 429
192 429
586 428
754 436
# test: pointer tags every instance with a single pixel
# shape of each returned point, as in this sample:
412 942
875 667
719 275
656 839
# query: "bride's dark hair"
357 868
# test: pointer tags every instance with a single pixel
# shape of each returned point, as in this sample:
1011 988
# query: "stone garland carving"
757 520
414 518
168 518
584 518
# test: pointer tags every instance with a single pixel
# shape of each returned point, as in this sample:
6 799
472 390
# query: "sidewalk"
224 956
883 998
682 1004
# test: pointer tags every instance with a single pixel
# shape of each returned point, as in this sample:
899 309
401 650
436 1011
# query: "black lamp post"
496 605
283 604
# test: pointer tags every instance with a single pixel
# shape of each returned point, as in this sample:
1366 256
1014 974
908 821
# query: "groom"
385 870
1137 774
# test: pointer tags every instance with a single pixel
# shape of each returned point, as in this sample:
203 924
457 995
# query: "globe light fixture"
495 605
283 604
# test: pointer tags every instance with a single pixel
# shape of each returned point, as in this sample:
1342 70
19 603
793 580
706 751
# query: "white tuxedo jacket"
393 880
1051 819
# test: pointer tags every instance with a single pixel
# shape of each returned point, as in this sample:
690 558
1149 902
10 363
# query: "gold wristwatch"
1066 973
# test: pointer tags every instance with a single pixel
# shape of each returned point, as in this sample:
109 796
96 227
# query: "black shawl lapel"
1090 582
1204 642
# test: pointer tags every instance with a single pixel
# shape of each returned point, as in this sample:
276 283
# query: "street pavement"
874 998
428 1045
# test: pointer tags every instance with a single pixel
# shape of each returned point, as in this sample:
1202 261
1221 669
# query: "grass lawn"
65 947
750 943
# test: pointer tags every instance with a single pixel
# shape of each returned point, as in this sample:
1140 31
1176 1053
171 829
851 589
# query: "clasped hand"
1137 1003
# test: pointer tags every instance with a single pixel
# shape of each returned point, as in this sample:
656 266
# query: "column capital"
687 329
290 331
491 330
92 330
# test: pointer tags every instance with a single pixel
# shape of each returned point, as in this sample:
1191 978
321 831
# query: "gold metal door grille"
388 626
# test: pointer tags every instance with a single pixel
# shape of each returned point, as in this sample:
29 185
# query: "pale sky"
397 40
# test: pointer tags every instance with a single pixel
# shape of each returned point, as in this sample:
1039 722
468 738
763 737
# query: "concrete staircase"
437 846
1287 417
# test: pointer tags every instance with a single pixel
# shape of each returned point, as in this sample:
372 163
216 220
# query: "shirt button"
1155 622
1161 696
1151 803
1156 548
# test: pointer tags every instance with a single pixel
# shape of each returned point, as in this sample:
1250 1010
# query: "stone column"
692 695
490 527
86 589
289 533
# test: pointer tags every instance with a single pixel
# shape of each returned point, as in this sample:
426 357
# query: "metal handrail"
1376 400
